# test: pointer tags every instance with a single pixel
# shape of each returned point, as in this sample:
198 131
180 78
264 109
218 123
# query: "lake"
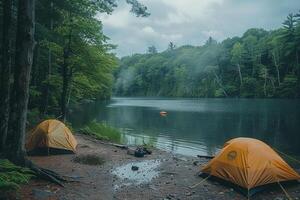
197 126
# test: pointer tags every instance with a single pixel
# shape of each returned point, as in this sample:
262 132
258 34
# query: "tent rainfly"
51 134
249 163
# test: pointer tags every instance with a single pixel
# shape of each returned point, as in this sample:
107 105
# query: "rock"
42 194
134 168
196 163
188 194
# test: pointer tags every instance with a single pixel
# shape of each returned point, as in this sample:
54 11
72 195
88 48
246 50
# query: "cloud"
191 21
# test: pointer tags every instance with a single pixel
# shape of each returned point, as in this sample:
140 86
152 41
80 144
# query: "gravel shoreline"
160 175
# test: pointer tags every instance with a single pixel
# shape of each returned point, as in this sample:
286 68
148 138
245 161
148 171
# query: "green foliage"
260 64
288 87
102 131
71 48
12 176
73 26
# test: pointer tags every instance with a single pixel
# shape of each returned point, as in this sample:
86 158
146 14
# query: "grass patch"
12 176
89 159
102 131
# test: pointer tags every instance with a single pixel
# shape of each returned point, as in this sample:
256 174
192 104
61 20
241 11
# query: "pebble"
134 168
188 194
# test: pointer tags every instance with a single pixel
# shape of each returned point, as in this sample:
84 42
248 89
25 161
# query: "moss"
102 131
89 159
12 176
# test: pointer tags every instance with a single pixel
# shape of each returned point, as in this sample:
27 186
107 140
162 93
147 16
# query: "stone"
196 163
134 168
188 194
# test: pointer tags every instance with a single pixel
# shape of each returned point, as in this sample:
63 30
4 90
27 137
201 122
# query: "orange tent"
249 163
51 134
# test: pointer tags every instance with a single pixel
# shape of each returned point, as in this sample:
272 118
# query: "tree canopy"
259 64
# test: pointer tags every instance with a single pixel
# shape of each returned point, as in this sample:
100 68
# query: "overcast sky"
191 21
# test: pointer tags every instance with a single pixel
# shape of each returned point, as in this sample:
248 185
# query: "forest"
53 54
259 64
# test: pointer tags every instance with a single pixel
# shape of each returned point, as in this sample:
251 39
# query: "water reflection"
198 126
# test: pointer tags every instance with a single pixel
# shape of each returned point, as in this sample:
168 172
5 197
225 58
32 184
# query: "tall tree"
152 50
23 63
237 59
171 46
5 71
46 90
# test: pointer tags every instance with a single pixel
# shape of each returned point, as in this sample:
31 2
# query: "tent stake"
285 192
248 194
193 186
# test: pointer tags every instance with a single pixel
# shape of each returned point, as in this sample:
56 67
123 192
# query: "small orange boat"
163 113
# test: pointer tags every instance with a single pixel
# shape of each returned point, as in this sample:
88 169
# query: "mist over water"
198 126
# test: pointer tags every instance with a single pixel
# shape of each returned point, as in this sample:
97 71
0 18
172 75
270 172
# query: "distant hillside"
258 64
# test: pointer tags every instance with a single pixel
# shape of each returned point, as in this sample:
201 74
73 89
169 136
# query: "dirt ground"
161 175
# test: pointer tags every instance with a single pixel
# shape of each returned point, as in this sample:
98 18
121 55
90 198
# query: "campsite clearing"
161 175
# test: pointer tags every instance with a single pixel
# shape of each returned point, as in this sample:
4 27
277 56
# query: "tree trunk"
66 75
240 74
24 56
277 67
65 72
47 86
220 84
35 65
265 83
5 72
272 83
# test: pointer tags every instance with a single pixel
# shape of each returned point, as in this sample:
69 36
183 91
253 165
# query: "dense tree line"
259 64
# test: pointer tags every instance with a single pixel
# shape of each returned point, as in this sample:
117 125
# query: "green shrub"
102 131
11 176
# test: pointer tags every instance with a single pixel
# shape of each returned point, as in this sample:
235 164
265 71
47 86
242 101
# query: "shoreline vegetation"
101 131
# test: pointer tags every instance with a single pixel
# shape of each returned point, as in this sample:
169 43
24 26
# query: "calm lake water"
197 126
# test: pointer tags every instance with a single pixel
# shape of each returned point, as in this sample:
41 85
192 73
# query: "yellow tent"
51 134
249 163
